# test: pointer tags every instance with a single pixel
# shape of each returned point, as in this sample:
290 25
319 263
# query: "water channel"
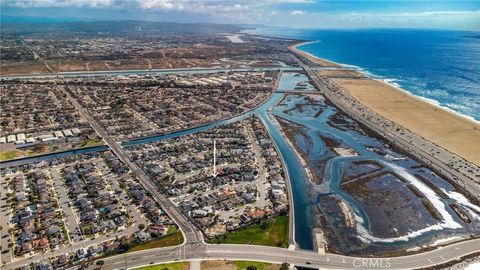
303 197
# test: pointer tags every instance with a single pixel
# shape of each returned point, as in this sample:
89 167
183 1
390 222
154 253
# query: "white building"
68 132
58 134
11 138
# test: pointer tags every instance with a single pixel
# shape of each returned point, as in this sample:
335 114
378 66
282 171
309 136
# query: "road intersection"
201 251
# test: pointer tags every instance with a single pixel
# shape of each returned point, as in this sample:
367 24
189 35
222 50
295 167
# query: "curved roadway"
201 251
195 249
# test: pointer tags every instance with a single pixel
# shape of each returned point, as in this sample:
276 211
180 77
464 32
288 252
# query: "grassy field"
42 149
9 154
92 143
237 265
242 265
272 233
172 229
167 266
172 239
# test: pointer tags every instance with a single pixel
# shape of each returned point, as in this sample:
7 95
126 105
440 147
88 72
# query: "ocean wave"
419 88
391 81
448 107
454 108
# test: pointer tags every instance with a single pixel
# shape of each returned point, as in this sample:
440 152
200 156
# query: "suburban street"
5 216
64 201
191 234
194 247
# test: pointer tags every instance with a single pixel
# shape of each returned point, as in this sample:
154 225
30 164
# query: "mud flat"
291 132
320 241
393 209
357 169
453 132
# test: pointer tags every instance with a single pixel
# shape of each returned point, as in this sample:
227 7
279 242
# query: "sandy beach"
318 61
452 131
341 73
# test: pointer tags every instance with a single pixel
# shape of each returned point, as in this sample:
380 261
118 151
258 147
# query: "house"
61 260
42 265
256 214
41 243
110 247
156 230
79 254
143 237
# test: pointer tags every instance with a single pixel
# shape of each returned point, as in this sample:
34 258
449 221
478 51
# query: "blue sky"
446 14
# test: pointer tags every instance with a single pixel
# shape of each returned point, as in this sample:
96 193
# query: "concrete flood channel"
364 196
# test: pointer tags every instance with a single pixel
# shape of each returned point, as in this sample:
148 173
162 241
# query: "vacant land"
243 265
167 266
270 233
10 154
173 239
237 265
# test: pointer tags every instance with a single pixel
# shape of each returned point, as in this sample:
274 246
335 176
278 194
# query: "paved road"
435 156
191 234
280 255
195 249
104 73
5 217
64 201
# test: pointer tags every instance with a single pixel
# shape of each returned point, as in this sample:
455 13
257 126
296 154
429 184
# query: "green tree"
263 225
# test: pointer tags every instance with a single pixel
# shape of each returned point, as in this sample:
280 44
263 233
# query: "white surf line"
448 221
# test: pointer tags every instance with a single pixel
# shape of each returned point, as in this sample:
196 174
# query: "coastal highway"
195 249
423 150
190 233
200 251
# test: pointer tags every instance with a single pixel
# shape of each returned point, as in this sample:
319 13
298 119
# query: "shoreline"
389 81
429 101
453 131
317 60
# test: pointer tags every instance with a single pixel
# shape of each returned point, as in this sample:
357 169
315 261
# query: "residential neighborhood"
249 183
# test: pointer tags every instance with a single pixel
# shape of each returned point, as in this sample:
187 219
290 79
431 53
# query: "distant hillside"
114 28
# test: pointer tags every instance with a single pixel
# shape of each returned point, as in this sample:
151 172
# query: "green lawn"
172 229
273 233
242 265
34 151
9 154
93 143
168 266
173 239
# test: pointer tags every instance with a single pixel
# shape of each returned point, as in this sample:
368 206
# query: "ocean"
440 66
